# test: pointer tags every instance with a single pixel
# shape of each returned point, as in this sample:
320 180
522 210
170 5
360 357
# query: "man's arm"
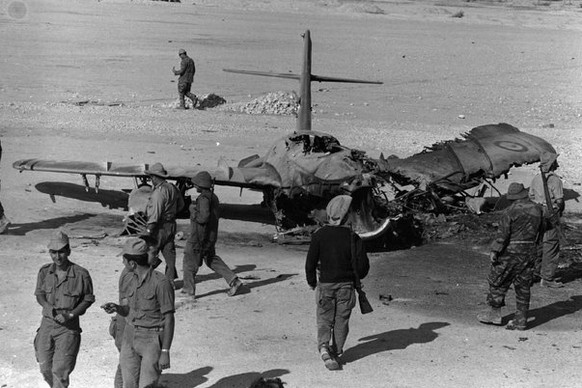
88 297
183 64
311 262
169 323
47 308
203 210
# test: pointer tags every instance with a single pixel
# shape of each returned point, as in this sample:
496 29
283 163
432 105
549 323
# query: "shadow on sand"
197 377
553 311
53 223
393 340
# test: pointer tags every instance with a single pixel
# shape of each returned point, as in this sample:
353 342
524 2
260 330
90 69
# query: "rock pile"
274 103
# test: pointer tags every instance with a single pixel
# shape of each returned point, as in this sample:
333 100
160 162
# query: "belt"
157 328
522 242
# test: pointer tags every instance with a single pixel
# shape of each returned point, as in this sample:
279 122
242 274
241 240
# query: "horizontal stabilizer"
264 73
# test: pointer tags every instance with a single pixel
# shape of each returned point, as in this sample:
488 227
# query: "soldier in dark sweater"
330 255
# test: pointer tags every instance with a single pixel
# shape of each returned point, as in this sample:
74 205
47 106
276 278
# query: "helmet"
202 180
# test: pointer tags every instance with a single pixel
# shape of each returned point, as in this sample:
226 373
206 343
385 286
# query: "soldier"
330 257
200 246
186 73
549 251
513 255
164 204
149 311
65 291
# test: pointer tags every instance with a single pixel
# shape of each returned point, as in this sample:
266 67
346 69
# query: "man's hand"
110 307
493 257
164 361
48 311
63 317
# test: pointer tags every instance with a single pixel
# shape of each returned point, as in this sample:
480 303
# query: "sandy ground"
515 62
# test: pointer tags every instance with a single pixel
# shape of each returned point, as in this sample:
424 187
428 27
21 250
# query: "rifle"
553 216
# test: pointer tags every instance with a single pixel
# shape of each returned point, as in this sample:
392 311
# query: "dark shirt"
73 294
204 218
164 203
187 70
149 299
520 222
330 249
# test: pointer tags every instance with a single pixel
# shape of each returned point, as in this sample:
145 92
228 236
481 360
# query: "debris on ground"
274 103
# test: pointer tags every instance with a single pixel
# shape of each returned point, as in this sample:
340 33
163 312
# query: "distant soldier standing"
186 73
65 291
164 204
200 246
513 255
549 252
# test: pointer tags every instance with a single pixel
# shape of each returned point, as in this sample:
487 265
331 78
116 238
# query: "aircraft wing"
246 177
488 151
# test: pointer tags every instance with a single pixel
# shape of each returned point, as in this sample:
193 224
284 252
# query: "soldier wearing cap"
186 73
549 251
65 291
513 255
148 305
163 205
200 246
330 256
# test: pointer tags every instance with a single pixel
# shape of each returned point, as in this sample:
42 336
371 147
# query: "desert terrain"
91 80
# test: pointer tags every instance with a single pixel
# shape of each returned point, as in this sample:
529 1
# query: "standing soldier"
513 255
200 246
164 204
553 205
65 291
149 311
336 255
186 73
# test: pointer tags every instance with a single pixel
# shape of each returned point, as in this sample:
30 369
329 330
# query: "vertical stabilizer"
305 80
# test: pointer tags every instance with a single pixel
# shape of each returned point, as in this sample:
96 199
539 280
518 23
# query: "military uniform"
186 73
549 250
513 257
149 299
57 344
200 245
164 204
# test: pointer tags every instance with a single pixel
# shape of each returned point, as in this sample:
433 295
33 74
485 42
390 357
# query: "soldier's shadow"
393 340
182 380
250 285
554 310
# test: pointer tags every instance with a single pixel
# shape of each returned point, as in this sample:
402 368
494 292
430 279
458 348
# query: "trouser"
512 268
184 90
192 262
56 348
165 235
139 357
1 210
335 302
116 329
548 255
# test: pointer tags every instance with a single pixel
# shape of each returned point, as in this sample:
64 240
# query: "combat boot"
235 287
4 222
493 316
519 321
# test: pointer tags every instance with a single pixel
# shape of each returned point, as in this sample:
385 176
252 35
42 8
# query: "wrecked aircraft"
303 171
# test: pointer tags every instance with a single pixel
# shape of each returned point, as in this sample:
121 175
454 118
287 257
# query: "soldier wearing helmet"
200 246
